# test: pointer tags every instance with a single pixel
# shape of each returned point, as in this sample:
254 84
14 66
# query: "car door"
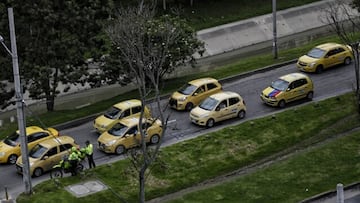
298 89
50 158
291 92
131 138
199 95
222 111
340 55
135 111
234 106
330 58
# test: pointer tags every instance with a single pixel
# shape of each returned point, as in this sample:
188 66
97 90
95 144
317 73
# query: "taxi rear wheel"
210 123
12 159
120 149
154 139
282 103
347 61
241 114
37 172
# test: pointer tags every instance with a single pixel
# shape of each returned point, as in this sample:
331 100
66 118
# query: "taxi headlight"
2 154
110 143
312 64
182 99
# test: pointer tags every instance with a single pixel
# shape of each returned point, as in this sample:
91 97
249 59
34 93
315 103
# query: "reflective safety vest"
89 149
73 156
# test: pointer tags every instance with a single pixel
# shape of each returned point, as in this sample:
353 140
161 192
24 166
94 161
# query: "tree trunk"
50 102
142 183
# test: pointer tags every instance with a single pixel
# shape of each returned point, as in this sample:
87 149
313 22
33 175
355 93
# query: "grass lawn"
293 180
190 162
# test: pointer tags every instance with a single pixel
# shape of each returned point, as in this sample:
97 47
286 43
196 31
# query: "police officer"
89 149
73 159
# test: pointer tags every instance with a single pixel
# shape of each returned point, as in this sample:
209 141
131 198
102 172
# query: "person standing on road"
89 149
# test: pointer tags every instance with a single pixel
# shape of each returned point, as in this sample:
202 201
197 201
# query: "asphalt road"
330 83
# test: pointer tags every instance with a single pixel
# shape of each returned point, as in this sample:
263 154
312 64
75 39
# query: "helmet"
73 149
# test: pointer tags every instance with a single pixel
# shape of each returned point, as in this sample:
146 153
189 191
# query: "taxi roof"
32 129
329 45
293 76
55 141
128 103
224 94
202 81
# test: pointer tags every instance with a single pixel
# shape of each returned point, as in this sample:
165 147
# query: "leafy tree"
54 38
145 50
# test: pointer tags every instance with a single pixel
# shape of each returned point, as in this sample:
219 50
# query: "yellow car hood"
197 111
31 160
178 95
307 59
271 92
103 121
106 137
5 148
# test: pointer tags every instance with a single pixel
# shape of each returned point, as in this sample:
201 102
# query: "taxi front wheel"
189 106
210 123
38 172
120 149
310 95
281 103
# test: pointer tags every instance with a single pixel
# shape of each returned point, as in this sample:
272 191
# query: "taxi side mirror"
45 157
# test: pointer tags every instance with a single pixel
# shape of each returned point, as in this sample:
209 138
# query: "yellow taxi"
218 107
10 147
124 109
288 88
324 56
125 134
194 92
46 154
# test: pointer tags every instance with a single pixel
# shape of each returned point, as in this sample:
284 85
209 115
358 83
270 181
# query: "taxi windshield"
187 89
316 53
209 104
37 151
112 113
279 84
13 139
118 130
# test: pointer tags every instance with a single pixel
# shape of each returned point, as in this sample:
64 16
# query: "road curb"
331 193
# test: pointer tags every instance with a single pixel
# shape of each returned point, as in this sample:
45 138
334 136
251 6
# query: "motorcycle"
64 166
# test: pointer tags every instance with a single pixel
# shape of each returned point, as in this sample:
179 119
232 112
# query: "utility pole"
274 30
19 103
